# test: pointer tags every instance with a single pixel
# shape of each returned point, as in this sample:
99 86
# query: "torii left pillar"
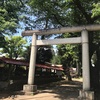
30 88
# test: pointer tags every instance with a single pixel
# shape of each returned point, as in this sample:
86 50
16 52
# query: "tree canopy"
14 46
44 54
53 13
9 17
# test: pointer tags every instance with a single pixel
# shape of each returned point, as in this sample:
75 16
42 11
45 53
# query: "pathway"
63 90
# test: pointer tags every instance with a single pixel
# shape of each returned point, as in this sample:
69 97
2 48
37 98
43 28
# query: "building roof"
25 63
14 61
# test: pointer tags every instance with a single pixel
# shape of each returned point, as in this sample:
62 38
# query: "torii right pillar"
85 93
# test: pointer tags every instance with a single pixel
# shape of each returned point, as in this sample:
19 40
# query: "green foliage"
69 54
14 47
54 13
9 17
56 59
49 13
44 54
96 12
6 23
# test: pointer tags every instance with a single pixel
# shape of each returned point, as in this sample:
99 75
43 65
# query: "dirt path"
62 90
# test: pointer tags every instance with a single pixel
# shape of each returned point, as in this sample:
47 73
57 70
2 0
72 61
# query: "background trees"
10 12
44 54
14 46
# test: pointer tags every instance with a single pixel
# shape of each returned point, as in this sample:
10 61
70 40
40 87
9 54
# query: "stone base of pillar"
30 89
86 95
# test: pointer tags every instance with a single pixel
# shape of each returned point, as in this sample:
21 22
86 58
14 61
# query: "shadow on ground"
60 90
64 90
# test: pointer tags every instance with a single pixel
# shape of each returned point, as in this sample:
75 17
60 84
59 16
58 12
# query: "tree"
44 54
69 55
56 59
14 47
9 17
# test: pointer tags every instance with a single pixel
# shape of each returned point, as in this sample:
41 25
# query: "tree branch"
21 2
57 19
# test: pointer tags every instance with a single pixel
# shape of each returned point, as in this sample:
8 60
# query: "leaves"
15 46
9 15
96 10
44 54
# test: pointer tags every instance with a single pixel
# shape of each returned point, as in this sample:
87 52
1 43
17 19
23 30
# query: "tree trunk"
97 77
68 74
94 71
91 50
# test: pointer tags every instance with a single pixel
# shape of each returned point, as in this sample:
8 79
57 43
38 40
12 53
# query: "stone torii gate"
83 39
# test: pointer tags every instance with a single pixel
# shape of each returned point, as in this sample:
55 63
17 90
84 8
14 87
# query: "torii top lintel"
62 30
